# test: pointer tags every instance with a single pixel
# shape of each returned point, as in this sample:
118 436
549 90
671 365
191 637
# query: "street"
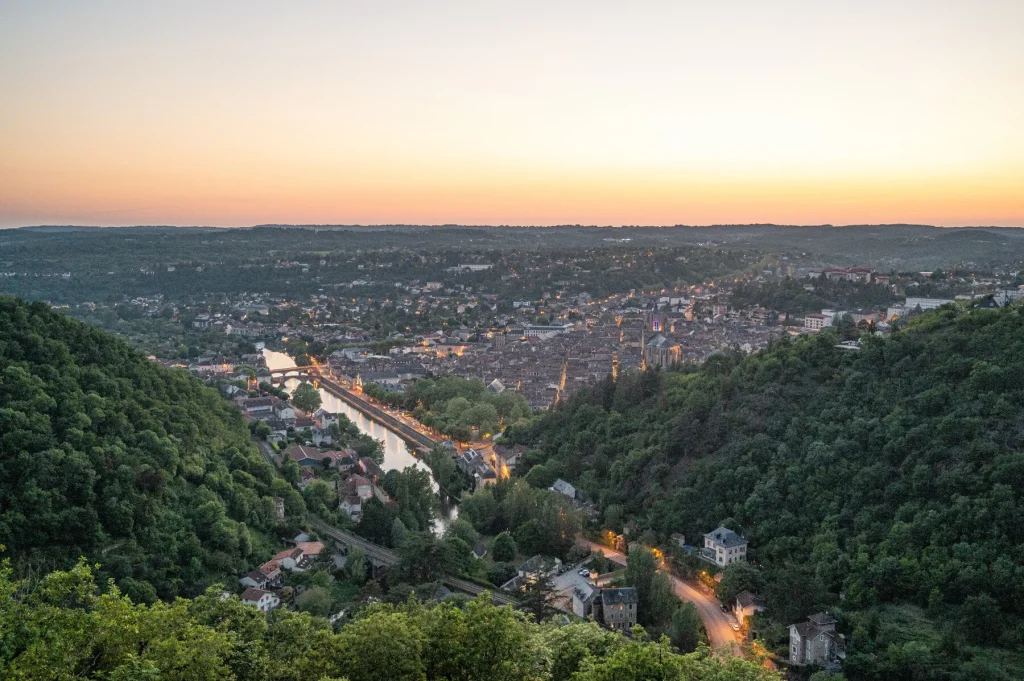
717 623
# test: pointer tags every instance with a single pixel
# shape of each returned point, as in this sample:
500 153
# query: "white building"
816 322
724 547
264 600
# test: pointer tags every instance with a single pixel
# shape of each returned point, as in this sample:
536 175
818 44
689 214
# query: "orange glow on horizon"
664 113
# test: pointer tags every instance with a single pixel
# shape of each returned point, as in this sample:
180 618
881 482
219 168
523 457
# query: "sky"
500 112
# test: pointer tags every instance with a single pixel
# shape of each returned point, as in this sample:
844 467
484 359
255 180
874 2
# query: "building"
562 487
816 641
618 608
265 576
926 303
264 600
661 352
724 547
816 322
539 567
585 599
746 605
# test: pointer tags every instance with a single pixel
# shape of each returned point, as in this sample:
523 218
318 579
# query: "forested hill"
886 481
107 455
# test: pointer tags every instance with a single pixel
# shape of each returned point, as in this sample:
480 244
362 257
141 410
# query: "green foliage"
893 474
504 548
454 406
107 455
655 598
315 600
736 578
62 627
684 630
306 398
540 521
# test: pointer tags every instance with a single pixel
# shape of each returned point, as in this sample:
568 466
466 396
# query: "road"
718 624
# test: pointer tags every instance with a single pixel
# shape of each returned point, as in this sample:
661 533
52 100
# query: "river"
396 454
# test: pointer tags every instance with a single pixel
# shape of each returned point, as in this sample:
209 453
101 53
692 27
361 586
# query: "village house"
264 600
265 576
724 547
619 608
746 605
539 567
562 487
817 642
585 598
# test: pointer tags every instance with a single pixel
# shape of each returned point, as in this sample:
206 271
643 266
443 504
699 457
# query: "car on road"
735 627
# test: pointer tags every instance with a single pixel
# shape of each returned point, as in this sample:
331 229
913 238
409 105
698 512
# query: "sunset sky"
512 112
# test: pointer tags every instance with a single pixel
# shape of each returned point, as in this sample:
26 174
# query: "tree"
504 548
357 565
306 398
684 631
736 578
655 598
315 600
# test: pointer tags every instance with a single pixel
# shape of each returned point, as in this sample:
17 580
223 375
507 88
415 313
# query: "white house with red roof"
264 600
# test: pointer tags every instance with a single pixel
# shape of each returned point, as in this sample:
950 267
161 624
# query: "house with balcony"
723 547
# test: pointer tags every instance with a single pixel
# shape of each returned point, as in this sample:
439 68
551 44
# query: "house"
746 605
816 322
265 576
540 567
304 456
311 552
357 485
618 608
562 487
306 478
508 457
679 539
584 599
279 507
264 600
370 468
816 641
724 547
353 506
289 558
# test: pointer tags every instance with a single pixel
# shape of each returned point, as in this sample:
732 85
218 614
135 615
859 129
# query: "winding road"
717 623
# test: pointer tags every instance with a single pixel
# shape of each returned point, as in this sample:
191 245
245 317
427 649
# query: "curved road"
717 623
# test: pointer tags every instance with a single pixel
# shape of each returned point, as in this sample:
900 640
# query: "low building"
619 608
540 567
563 487
816 642
584 600
747 604
264 577
264 600
724 547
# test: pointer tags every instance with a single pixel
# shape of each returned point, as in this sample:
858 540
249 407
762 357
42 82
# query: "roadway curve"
716 623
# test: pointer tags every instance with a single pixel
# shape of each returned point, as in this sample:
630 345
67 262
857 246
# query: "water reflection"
396 454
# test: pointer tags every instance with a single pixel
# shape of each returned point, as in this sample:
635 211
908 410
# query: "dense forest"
884 482
61 627
107 455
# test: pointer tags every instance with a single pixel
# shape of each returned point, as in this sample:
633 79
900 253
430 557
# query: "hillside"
62 628
107 455
886 482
